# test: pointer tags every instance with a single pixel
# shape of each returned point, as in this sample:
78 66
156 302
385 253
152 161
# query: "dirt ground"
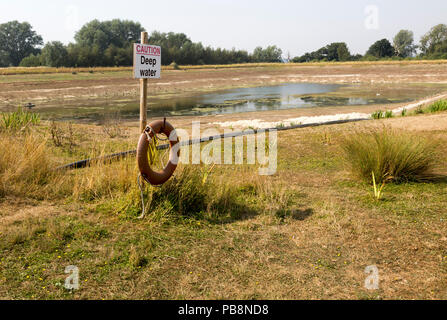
48 87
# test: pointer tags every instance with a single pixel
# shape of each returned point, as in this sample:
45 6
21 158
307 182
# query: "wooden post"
143 91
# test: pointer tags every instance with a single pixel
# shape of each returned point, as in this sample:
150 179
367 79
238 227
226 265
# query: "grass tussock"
391 156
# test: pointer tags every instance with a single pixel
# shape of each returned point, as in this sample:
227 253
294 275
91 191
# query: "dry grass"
27 169
25 165
307 232
102 180
45 70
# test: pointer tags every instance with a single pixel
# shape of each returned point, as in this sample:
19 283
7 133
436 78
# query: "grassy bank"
307 232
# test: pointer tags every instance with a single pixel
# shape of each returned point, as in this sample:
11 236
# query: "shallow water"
285 96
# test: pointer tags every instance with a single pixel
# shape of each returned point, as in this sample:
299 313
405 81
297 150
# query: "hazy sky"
294 26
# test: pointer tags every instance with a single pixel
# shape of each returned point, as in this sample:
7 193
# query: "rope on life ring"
153 177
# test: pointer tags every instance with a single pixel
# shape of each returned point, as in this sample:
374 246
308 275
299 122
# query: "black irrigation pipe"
120 155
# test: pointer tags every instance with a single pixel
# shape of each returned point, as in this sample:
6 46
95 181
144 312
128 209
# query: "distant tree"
343 53
369 57
434 42
119 56
19 40
381 49
403 43
171 46
356 57
73 54
103 34
178 48
54 54
31 61
336 51
4 59
307 57
269 54
106 43
124 56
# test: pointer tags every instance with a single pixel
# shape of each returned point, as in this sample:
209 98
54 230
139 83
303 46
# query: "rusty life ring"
151 176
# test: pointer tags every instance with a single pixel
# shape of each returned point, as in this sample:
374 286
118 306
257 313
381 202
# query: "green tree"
18 40
4 59
54 54
103 34
336 51
269 54
381 49
434 42
107 43
31 61
403 43
172 46
343 53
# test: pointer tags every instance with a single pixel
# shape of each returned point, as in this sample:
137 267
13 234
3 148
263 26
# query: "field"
307 232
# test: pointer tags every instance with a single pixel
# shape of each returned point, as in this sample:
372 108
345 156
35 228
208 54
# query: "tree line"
433 45
110 43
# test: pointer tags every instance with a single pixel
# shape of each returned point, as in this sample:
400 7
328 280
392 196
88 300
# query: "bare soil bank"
50 87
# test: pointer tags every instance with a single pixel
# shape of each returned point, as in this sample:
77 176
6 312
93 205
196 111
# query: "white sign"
146 61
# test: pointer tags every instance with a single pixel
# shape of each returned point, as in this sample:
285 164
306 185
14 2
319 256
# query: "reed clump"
390 155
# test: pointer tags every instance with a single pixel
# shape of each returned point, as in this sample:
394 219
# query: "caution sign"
146 61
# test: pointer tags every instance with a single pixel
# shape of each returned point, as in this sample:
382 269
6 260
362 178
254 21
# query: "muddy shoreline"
413 82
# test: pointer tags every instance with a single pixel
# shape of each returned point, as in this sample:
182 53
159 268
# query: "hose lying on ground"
120 155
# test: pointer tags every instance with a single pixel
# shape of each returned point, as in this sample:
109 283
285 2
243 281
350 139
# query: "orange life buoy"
151 176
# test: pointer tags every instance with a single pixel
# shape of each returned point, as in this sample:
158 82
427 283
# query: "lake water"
285 96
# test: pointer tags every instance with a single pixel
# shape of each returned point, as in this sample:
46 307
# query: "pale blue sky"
294 26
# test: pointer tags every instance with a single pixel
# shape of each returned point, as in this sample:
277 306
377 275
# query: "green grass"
438 106
390 156
18 120
377 115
